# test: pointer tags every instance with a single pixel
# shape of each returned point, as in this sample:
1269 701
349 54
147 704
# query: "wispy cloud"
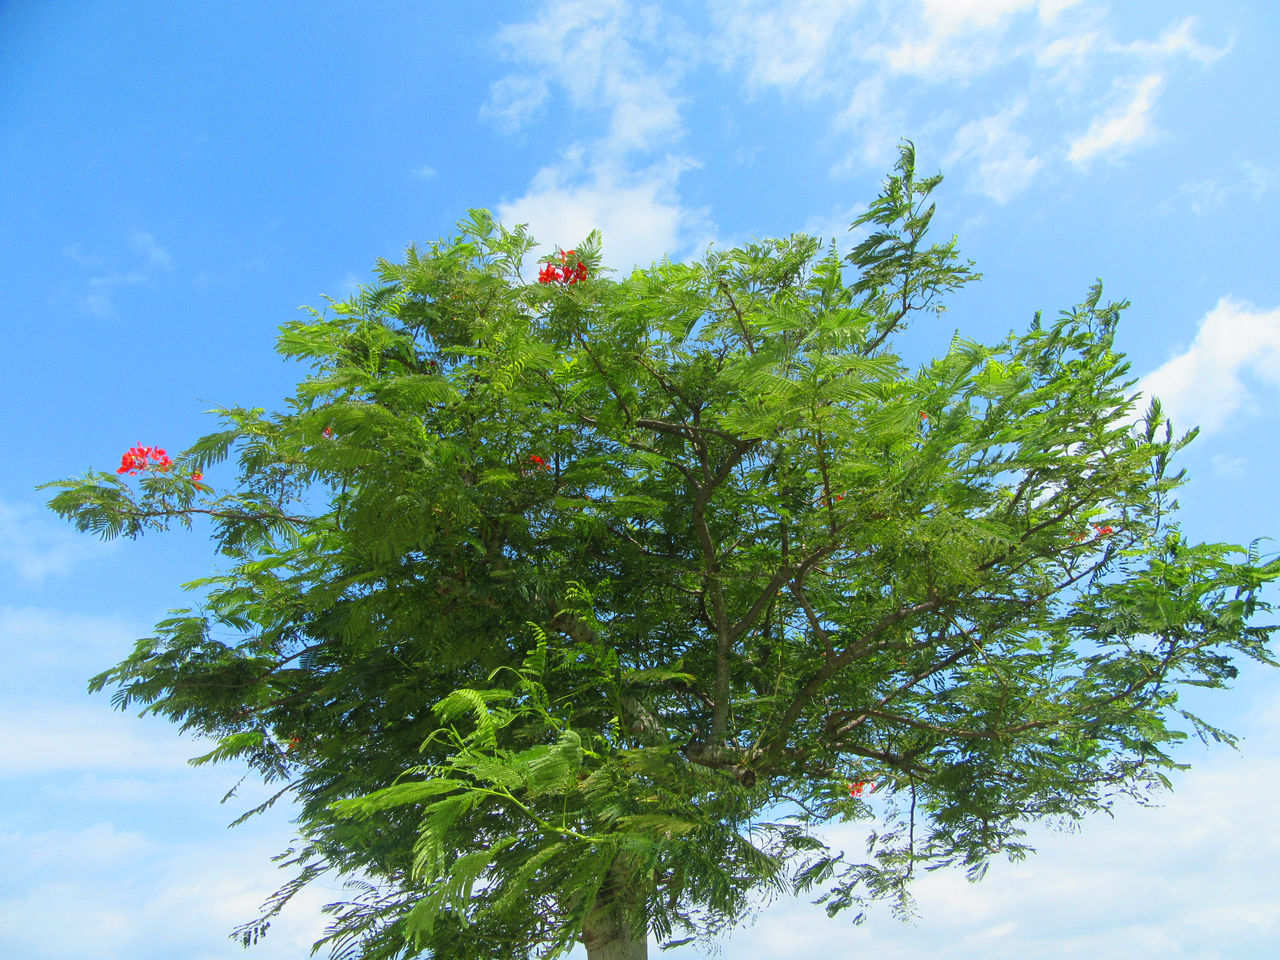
145 262
514 100
1123 127
35 546
1212 193
608 59
789 47
1232 364
1177 40
835 226
1005 163
1194 877
43 738
950 40
885 69
894 69
140 897
874 121
617 64
1228 466
1050 10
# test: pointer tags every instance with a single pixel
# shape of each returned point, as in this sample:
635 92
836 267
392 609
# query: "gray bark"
608 932
609 939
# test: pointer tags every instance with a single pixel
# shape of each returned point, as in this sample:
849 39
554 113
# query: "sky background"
176 179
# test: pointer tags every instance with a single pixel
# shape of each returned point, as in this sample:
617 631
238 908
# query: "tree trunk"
608 938
608 932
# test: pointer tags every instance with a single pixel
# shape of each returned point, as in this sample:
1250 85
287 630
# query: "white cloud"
41 738
40 644
1226 466
947 16
876 123
1068 59
1235 355
1262 180
951 40
149 261
891 69
135 897
1121 129
787 47
153 255
1050 10
514 100
608 58
35 545
835 226
1201 197
1005 164
620 67
1193 878
349 285
136 791
424 173
1212 193
639 214
92 848
1177 40
618 64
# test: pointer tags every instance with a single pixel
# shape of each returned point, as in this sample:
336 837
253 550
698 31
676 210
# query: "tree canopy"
568 609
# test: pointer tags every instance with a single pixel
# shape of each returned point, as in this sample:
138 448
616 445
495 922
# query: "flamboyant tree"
566 610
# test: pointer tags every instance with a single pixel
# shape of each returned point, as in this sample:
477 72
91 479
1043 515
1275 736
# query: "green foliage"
567 611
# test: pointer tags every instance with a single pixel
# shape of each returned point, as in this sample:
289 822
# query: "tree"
567 609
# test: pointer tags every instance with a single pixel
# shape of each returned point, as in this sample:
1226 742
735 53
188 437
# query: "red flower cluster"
139 458
550 273
855 789
537 463
1099 531
327 431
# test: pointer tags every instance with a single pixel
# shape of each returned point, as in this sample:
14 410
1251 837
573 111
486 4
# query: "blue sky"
176 179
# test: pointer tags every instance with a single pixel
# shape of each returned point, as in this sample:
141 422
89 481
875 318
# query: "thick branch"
832 665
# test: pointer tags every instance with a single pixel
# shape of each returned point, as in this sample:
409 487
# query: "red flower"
327 431
569 273
856 788
538 462
138 458
1104 531
197 476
